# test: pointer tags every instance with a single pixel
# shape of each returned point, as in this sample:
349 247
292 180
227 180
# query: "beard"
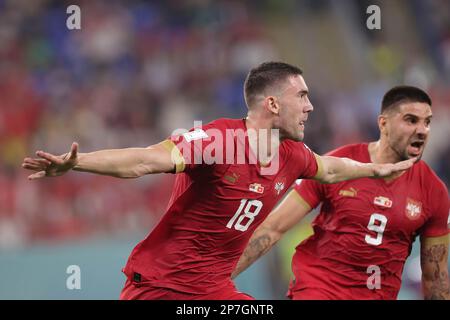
403 154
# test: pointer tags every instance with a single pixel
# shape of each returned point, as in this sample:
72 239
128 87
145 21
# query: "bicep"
433 258
434 254
326 167
322 166
163 157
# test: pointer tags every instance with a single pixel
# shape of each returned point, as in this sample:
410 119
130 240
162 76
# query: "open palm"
49 165
387 169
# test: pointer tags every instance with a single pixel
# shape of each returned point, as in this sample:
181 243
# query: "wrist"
78 162
373 170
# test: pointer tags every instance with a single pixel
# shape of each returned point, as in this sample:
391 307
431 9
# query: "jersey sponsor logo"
195 135
413 208
352 192
256 187
232 178
279 186
383 202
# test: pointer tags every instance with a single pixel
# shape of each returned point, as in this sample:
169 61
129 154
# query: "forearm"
260 243
341 169
434 265
436 287
120 163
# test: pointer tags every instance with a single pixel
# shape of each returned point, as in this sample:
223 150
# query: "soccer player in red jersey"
225 186
366 227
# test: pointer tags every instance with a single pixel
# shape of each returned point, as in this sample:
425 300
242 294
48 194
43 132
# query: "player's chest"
250 182
366 201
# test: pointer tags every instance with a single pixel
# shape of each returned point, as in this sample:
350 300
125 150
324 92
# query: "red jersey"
214 208
365 224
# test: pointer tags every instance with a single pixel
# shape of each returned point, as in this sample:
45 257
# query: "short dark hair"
264 75
402 94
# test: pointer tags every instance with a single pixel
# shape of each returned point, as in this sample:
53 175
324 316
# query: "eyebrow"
302 92
415 116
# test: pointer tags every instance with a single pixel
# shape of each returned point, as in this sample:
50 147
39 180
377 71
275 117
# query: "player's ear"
272 105
382 124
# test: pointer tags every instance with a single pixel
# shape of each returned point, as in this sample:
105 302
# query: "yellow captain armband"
177 157
445 239
300 200
319 166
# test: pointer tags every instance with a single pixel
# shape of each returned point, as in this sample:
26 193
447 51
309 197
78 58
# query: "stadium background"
138 70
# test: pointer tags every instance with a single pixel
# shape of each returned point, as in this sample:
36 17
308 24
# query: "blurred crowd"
137 70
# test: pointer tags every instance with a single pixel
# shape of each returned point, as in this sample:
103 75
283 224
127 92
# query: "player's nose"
422 130
308 108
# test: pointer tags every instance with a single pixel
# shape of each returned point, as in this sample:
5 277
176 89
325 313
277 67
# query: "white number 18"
251 210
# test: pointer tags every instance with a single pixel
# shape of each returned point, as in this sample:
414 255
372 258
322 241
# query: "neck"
263 140
381 152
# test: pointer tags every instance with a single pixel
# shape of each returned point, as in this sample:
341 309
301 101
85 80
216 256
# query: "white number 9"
377 227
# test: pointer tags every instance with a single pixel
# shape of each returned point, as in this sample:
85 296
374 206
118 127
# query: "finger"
50 157
37 175
43 162
74 150
406 164
32 167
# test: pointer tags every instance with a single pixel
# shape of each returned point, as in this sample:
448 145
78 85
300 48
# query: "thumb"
36 175
408 163
74 151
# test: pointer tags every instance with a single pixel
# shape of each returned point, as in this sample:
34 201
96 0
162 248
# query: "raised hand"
49 165
388 169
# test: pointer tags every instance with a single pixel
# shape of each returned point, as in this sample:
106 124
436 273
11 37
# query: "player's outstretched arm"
336 169
291 210
120 163
433 260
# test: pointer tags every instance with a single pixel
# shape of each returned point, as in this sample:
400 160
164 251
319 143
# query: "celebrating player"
366 227
216 204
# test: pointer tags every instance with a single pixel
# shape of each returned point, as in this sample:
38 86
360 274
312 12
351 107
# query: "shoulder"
353 151
433 182
291 146
225 123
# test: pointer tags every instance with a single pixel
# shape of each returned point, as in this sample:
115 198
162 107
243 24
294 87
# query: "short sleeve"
311 191
307 162
438 223
190 149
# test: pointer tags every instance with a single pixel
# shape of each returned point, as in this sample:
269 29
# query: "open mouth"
416 147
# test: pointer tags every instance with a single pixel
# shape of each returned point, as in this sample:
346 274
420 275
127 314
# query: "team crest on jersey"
279 186
413 208
383 202
256 187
